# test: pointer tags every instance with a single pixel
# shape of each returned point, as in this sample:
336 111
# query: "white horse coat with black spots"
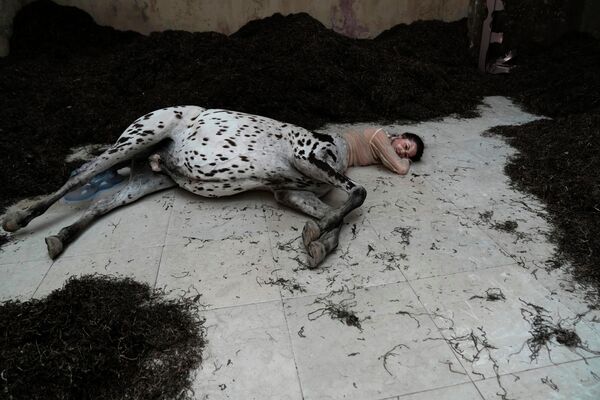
216 153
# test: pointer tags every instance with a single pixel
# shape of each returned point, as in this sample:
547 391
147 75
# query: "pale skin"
405 148
373 146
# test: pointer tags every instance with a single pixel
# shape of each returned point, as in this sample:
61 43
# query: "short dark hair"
418 141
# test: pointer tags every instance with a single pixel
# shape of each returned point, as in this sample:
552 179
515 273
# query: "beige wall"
355 18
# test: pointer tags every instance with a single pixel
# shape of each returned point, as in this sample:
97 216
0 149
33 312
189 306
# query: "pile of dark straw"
99 338
69 82
558 157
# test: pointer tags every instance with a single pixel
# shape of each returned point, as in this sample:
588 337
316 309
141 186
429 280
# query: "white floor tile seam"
79 255
553 365
461 210
160 259
519 259
334 340
6 264
295 358
96 253
41 281
380 285
498 374
484 268
240 305
273 257
457 209
75 256
163 244
486 136
439 329
378 233
33 259
500 246
399 397
481 269
320 294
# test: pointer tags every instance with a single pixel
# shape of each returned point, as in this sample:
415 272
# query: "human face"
405 148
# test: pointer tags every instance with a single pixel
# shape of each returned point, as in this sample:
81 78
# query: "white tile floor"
414 264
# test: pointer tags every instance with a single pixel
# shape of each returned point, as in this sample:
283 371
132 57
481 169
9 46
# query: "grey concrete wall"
354 18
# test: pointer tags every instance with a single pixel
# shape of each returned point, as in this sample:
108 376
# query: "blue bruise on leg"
98 183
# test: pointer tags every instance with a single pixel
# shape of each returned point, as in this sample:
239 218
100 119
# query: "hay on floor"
100 337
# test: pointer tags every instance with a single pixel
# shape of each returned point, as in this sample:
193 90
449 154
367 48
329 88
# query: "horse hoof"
55 246
317 253
310 233
12 222
10 226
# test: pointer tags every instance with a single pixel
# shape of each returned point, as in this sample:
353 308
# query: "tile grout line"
97 253
282 303
79 255
42 280
368 287
441 334
503 250
434 324
405 281
429 314
461 210
431 390
292 349
498 245
445 340
517 259
553 365
464 215
162 250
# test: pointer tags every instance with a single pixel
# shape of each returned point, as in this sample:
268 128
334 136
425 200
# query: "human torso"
373 146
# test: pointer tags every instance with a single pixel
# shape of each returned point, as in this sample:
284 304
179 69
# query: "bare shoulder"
371 129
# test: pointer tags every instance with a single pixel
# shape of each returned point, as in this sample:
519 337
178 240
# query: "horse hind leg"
308 202
142 181
133 142
326 228
322 171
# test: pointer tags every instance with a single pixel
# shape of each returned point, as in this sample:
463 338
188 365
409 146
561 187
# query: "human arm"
382 149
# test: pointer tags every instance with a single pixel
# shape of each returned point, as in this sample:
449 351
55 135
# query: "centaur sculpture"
218 153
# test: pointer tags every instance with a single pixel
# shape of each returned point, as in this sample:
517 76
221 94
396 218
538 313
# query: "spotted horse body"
214 153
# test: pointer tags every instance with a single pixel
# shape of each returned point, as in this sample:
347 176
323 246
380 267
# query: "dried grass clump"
100 337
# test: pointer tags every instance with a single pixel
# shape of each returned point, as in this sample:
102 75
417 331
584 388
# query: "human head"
409 145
